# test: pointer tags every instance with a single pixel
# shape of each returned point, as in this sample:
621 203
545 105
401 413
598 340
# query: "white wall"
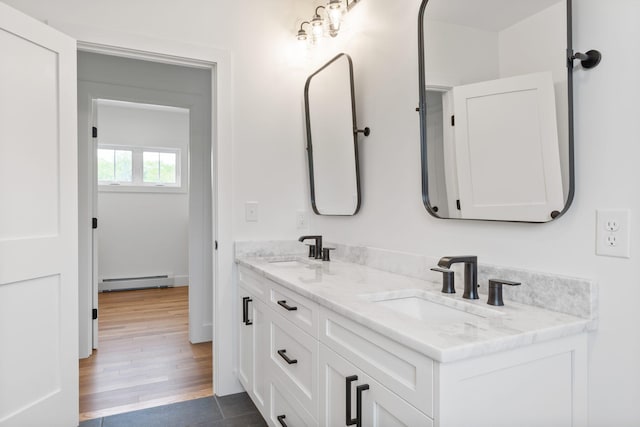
538 44
143 234
392 215
469 55
269 157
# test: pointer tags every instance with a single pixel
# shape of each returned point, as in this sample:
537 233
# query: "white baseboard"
181 281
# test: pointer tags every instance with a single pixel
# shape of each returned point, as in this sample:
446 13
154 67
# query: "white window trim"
138 186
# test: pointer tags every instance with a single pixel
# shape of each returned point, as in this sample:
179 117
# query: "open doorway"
154 220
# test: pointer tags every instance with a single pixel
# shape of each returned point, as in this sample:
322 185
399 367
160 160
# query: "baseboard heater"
129 283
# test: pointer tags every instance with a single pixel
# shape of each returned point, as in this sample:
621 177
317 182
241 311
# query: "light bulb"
318 31
317 26
335 14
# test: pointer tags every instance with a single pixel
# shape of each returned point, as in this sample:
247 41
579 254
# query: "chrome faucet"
317 252
470 273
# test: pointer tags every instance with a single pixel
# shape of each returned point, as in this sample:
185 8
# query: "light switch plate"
612 233
251 211
301 220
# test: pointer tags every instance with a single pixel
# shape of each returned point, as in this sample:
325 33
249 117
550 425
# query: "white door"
507 153
38 224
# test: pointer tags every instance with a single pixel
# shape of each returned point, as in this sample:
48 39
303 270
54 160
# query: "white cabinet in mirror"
332 139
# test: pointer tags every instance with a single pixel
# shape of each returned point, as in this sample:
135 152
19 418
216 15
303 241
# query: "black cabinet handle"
286 359
283 303
357 421
245 310
359 391
281 420
350 379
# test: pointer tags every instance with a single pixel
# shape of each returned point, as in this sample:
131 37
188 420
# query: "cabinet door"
380 407
245 339
261 344
507 154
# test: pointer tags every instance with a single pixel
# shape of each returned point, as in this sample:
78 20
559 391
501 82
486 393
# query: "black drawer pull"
245 310
357 421
359 391
286 359
281 420
283 303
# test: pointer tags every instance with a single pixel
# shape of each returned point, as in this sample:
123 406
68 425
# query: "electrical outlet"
301 220
612 233
612 225
251 211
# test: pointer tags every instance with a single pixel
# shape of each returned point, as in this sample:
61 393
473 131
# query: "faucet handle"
447 280
312 250
495 290
325 254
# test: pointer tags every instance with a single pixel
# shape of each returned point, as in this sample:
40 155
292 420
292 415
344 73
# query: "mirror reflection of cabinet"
332 148
495 108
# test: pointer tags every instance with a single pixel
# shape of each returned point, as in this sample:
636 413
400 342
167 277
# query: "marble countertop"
352 291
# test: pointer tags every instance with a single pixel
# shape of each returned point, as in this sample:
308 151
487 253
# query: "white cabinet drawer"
294 360
253 283
404 371
285 410
295 308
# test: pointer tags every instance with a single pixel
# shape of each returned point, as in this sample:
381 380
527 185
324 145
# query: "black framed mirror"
496 109
332 145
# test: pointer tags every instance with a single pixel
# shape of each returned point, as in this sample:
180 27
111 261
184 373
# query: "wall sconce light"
302 34
317 23
334 10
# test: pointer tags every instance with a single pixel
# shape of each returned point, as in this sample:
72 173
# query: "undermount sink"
426 306
292 262
288 263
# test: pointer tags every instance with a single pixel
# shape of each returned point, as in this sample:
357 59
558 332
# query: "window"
158 167
139 168
115 166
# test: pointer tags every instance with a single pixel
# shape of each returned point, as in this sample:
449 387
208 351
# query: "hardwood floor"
144 357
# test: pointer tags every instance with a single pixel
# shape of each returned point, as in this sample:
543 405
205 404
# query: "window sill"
141 189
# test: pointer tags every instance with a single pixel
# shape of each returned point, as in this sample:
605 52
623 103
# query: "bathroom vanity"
339 343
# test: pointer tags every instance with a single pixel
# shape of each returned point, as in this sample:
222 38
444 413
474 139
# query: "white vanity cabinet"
303 364
278 351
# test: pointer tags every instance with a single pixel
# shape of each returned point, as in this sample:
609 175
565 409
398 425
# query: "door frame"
219 62
200 235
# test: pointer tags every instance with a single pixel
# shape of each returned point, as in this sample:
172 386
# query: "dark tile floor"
236 410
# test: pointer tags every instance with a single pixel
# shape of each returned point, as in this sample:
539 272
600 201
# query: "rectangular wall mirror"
332 147
495 109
